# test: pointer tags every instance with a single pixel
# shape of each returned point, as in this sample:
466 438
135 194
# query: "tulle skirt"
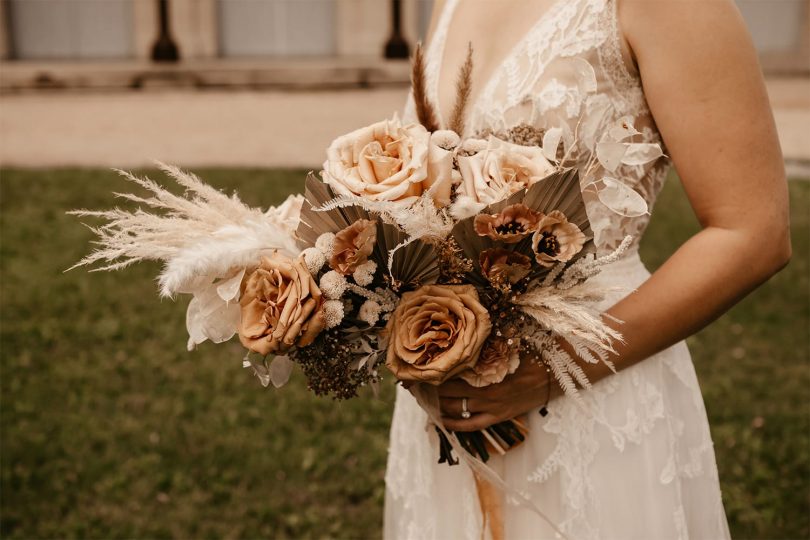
639 464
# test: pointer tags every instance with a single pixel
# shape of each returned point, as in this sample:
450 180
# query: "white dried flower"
464 207
364 274
369 312
390 299
325 243
332 313
333 285
314 259
445 138
473 146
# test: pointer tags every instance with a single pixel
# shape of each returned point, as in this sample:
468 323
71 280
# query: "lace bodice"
567 71
643 430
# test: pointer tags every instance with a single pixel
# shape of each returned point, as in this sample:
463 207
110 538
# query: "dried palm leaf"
315 221
411 262
425 111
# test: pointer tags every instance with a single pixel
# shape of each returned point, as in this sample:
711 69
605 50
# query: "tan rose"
498 359
281 306
353 245
387 161
510 225
436 332
556 240
500 170
503 267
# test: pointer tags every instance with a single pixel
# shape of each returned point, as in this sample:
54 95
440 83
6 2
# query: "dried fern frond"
319 215
425 111
420 220
570 312
463 88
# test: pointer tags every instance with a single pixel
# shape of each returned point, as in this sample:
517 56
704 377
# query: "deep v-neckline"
446 20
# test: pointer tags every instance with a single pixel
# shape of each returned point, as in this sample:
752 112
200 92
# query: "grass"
111 429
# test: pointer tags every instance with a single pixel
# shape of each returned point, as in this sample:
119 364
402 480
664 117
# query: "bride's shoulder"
691 28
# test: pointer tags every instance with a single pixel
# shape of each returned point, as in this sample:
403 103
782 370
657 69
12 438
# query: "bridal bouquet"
436 256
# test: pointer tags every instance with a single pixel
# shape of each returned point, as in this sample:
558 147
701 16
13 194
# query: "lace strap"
627 85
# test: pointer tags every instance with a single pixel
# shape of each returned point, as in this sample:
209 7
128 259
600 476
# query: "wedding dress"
639 464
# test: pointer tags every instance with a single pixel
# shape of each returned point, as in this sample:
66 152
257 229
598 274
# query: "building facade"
126 30
203 29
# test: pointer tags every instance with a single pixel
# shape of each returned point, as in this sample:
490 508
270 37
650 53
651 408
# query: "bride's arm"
706 93
705 90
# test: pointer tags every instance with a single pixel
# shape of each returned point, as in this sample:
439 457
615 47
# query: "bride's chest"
498 31
529 59
493 30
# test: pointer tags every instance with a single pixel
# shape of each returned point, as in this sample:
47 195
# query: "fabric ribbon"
489 485
490 501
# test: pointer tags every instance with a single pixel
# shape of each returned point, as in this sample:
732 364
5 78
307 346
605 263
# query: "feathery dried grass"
463 88
203 233
425 111
570 312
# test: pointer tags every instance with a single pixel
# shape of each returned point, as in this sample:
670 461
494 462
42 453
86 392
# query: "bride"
640 462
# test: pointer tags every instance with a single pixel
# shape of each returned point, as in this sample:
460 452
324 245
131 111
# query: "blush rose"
388 161
501 169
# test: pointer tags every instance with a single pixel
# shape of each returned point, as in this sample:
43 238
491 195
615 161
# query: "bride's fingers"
456 388
453 407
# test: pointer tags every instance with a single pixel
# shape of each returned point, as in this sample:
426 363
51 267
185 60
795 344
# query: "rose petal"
208 317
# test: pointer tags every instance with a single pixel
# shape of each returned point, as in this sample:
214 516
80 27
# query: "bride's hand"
529 387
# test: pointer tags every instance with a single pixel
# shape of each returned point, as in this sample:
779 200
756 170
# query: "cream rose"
501 169
387 161
281 306
436 332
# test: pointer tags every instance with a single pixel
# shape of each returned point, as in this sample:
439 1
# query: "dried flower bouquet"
439 256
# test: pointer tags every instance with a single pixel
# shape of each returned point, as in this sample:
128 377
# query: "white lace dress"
640 464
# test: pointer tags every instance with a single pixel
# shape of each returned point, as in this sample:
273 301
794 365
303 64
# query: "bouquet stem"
497 438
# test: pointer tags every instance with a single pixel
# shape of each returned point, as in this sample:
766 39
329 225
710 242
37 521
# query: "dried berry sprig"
330 366
453 266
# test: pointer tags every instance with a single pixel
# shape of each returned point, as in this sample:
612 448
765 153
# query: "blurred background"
110 429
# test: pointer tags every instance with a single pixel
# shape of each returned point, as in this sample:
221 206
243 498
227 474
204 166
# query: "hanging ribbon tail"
428 398
490 499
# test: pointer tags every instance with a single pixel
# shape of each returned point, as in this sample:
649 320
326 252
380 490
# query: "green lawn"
111 429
